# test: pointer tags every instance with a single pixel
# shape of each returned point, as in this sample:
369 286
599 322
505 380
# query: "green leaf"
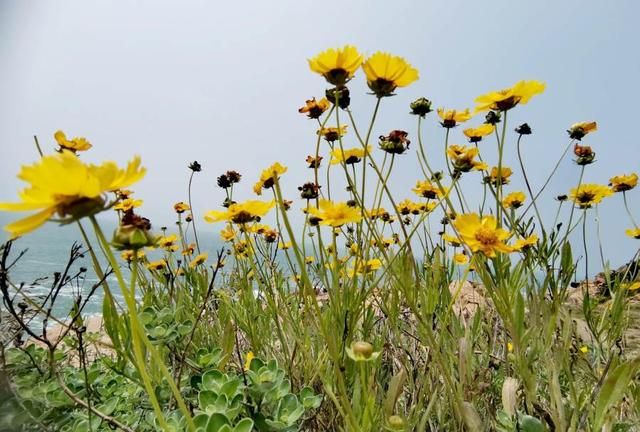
216 422
244 425
614 387
530 424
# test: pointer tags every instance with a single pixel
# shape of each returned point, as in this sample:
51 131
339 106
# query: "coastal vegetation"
433 310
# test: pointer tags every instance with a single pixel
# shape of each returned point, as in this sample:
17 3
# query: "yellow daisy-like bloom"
524 243
349 156
579 130
386 72
584 349
332 134
198 259
452 240
314 109
366 267
514 200
284 245
428 190
75 145
168 242
268 177
334 214
189 250
63 184
227 234
633 286
309 260
476 134
241 213
463 158
503 179
633 232
181 207
460 259
588 194
482 234
157 265
127 255
505 99
451 118
127 204
407 207
623 183
337 66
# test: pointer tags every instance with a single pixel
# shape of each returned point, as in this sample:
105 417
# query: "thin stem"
193 218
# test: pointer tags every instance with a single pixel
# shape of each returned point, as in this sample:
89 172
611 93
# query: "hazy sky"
221 82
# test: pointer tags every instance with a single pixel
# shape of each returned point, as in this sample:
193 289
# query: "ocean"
47 250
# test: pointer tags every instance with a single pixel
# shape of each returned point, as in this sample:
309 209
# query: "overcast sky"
221 82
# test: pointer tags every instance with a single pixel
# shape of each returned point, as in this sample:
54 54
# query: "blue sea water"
47 251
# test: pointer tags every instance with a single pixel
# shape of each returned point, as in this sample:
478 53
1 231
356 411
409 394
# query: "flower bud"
340 93
420 107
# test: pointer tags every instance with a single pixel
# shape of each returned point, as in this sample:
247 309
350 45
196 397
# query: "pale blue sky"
221 82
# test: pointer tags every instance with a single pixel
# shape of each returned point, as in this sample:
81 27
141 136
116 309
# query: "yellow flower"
349 156
407 207
623 183
632 286
524 243
476 134
584 349
503 179
227 234
157 265
366 267
509 347
168 242
426 189
63 184
181 207
331 134
505 99
335 214
189 249
452 240
76 144
268 177
198 259
579 130
241 213
128 204
460 259
309 260
284 245
463 158
313 108
450 118
127 255
337 66
588 194
481 234
386 72
633 232
514 200
249 358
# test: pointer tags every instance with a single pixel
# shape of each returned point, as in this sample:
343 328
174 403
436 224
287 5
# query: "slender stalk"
193 219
